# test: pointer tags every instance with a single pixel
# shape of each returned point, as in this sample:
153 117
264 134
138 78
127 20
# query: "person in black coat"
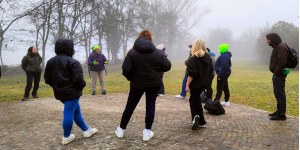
143 67
223 71
199 71
64 74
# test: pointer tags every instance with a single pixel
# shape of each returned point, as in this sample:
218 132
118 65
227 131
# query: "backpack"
292 59
203 96
214 107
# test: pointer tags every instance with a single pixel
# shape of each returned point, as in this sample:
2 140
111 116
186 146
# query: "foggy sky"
237 15
242 15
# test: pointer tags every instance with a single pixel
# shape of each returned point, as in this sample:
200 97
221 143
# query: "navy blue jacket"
144 64
223 65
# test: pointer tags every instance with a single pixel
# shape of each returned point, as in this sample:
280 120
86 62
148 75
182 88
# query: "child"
64 74
223 71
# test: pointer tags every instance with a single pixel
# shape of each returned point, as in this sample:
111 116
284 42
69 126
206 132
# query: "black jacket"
32 63
201 69
64 74
144 64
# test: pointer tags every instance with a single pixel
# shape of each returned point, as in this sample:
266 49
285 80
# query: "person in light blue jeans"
183 92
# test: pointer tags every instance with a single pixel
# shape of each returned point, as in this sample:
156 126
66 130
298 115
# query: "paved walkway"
36 124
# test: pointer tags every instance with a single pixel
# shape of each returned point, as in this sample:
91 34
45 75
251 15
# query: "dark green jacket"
32 63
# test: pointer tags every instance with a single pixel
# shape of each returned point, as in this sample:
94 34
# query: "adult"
31 64
277 65
96 63
143 67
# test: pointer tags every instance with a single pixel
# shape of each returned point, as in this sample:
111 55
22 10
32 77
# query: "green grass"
250 85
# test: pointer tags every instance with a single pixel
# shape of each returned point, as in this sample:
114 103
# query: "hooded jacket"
279 54
63 73
201 69
223 65
32 62
144 64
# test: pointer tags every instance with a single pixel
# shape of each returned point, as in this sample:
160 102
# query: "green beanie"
95 47
223 48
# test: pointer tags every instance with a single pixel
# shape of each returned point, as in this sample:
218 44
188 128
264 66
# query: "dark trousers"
35 77
279 92
162 87
209 92
222 85
134 97
195 104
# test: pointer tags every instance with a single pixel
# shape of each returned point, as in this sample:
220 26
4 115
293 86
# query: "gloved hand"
286 71
95 62
106 62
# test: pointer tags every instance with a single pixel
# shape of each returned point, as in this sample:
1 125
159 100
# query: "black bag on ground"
203 97
214 107
292 60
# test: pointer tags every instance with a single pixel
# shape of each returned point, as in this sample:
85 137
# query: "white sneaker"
179 96
161 95
147 134
89 132
195 122
225 104
67 140
119 132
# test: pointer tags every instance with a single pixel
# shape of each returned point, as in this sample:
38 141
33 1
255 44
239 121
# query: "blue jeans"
183 92
72 113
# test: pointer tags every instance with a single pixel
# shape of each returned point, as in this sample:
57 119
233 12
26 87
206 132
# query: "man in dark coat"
277 66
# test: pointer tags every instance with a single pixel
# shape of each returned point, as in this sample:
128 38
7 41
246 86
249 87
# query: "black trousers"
279 92
222 85
134 97
162 87
195 104
34 77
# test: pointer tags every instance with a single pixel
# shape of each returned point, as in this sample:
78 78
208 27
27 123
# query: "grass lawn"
250 85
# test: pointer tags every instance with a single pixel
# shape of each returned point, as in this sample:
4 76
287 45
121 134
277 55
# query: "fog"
238 16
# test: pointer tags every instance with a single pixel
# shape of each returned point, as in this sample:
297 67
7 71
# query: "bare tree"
10 13
41 17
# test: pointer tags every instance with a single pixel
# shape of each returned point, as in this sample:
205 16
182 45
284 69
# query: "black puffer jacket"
201 69
64 74
144 64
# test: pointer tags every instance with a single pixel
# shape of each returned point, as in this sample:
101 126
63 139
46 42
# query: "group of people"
222 67
144 66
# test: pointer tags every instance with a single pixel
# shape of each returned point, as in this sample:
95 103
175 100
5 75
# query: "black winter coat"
201 69
144 64
64 74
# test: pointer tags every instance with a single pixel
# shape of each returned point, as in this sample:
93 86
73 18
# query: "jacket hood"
228 54
64 46
206 58
144 45
274 38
